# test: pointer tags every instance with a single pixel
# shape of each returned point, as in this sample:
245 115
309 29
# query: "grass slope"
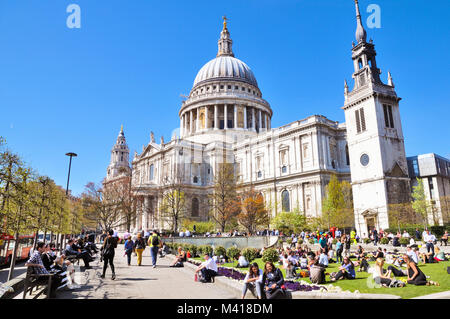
436 272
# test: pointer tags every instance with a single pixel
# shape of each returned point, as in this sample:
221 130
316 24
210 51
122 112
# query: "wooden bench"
32 281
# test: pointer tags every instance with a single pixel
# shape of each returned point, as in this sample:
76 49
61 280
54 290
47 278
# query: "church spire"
361 35
225 41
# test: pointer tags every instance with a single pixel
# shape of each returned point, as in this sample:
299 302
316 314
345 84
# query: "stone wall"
227 242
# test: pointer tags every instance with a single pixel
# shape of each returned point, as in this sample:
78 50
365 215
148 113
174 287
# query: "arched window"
151 172
195 206
347 156
285 203
360 64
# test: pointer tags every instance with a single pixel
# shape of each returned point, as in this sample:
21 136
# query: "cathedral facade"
226 119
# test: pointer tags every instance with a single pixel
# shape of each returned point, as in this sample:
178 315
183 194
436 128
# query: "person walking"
129 246
155 243
375 236
108 251
429 239
139 247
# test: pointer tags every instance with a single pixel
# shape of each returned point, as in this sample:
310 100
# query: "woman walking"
129 246
108 251
139 247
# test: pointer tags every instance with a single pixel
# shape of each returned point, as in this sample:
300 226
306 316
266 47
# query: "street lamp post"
70 154
70 164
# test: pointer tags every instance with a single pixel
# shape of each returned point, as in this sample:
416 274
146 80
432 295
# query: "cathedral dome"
225 67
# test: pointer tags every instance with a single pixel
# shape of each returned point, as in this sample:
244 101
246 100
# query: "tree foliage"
420 203
223 198
289 222
337 205
252 210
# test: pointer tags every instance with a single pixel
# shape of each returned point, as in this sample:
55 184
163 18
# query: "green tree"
337 205
289 222
420 204
222 199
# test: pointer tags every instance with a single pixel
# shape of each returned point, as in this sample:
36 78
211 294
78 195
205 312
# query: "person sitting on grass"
415 275
287 265
317 273
383 279
440 256
444 238
347 270
273 280
242 262
253 281
379 253
303 261
208 269
427 258
323 259
179 259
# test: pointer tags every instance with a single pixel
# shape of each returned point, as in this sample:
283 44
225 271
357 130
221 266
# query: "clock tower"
375 139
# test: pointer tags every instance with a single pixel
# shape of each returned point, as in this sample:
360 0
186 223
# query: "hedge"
233 253
220 251
270 255
250 253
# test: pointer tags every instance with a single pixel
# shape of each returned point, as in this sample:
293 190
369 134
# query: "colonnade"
223 117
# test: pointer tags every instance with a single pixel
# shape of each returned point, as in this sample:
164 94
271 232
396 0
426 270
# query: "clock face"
364 160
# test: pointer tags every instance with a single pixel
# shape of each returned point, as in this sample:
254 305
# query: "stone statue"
152 137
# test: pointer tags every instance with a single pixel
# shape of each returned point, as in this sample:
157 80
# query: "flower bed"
290 285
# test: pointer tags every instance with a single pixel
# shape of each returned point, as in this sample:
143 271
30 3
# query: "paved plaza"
137 282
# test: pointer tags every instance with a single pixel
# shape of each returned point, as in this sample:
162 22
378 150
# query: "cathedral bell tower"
375 139
120 155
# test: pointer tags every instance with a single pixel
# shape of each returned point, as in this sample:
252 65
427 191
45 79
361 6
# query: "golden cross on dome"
224 22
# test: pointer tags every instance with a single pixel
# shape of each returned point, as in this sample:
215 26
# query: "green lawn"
437 272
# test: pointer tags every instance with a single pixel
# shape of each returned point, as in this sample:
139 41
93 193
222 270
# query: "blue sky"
67 89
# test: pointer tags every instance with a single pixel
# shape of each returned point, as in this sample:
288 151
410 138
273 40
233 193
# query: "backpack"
155 241
108 250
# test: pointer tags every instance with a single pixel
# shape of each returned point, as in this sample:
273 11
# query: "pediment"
396 171
150 149
369 213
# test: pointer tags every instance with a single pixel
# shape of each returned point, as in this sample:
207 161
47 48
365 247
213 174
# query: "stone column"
253 119
225 117
260 120
235 117
206 117
197 124
145 223
191 123
245 117
216 117
181 125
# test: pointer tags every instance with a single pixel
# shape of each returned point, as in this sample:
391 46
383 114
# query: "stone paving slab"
142 282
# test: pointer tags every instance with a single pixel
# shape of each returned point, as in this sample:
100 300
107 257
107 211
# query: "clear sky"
67 89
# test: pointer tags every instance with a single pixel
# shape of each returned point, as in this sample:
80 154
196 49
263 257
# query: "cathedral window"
347 156
243 88
195 180
229 87
360 120
284 169
285 203
236 87
221 87
388 118
195 207
151 174
360 64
